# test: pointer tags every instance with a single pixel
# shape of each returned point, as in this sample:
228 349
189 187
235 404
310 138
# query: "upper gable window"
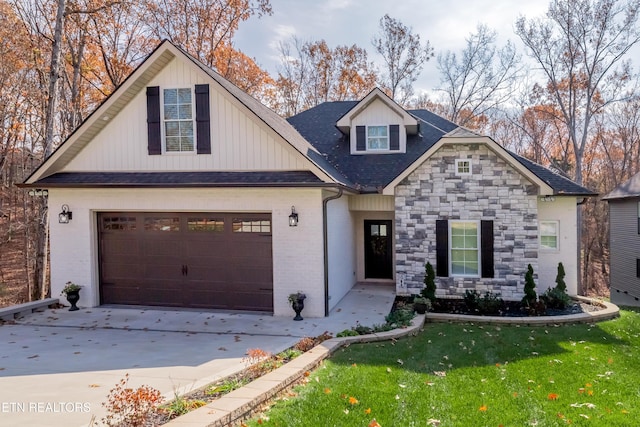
377 138
463 167
178 120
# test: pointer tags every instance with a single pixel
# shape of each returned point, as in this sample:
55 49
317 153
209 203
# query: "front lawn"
473 375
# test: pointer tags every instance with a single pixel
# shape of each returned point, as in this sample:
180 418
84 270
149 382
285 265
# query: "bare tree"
580 47
479 80
403 54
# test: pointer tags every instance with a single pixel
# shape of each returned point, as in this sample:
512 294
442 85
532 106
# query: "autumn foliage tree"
312 72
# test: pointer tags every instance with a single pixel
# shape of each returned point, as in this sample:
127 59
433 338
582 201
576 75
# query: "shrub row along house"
184 191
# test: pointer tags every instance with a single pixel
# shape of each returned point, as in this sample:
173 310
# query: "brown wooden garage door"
201 260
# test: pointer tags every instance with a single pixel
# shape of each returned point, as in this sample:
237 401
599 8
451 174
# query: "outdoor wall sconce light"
293 218
65 216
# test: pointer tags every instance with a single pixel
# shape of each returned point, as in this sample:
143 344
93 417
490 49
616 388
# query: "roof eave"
102 115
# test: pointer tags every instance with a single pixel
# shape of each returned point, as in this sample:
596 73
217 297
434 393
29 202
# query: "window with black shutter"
178 120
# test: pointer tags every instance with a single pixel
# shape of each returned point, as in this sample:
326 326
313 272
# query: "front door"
378 255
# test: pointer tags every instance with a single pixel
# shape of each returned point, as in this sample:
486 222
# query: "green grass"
473 375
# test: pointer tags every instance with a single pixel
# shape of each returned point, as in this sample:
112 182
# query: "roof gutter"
325 233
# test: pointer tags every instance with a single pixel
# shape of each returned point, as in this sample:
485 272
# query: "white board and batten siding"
341 248
378 114
239 140
563 210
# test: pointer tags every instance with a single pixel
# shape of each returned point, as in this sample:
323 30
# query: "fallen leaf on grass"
483 408
433 422
440 373
374 423
353 400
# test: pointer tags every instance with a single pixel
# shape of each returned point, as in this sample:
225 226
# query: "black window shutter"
361 138
486 246
442 248
638 267
154 138
203 127
394 133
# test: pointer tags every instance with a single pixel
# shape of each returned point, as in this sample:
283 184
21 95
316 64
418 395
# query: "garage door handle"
186 270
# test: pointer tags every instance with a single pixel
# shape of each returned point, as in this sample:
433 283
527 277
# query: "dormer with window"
377 125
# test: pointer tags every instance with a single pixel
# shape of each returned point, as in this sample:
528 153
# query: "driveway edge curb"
241 403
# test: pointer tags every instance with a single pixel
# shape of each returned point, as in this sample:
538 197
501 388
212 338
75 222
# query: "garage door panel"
204 260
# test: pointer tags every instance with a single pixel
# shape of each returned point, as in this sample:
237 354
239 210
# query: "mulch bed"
507 308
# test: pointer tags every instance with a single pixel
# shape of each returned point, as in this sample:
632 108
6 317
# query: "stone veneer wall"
494 191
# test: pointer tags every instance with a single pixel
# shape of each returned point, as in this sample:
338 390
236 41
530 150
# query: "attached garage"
197 260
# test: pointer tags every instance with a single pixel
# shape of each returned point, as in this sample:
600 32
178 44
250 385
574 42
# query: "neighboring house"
182 190
624 242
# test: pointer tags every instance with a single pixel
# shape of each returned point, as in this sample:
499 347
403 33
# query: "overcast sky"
445 23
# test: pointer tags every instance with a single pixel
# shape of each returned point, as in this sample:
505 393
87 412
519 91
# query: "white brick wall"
297 251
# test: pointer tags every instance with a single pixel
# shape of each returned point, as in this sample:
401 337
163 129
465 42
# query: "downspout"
325 233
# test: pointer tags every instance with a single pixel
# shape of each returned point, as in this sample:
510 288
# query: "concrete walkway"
57 367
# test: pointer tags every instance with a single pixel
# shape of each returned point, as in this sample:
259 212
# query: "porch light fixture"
293 218
65 216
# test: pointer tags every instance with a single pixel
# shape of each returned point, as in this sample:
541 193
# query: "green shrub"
399 318
347 333
560 285
530 296
382 327
556 298
472 300
490 303
429 290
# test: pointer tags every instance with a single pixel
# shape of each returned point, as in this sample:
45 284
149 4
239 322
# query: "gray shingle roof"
627 190
181 179
372 172
368 173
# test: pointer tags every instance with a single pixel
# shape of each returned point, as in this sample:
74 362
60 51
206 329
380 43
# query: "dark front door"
378 254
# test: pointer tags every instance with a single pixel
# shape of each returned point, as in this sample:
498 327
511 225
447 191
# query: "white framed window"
464 248
549 235
178 118
377 137
463 166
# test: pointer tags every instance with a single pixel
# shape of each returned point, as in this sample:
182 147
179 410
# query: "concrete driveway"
57 367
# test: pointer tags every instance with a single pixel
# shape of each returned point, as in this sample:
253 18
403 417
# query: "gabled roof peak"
462 132
408 120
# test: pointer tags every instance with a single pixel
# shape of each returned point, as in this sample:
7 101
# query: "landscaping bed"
500 308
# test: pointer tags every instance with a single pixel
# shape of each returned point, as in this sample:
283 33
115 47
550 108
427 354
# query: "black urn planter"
73 297
297 303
